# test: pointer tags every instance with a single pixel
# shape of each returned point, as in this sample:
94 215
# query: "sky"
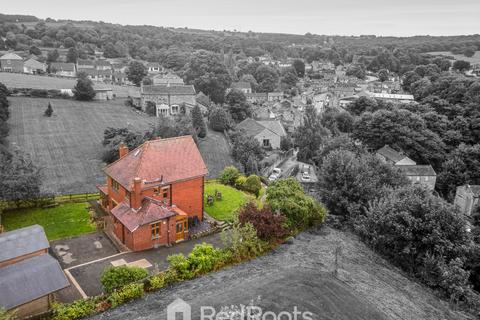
333 17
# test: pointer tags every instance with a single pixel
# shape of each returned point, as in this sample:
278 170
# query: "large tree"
136 72
208 74
309 136
299 66
83 90
400 129
267 78
348 181
20 178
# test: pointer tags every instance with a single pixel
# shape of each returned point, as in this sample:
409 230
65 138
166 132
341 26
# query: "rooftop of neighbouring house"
63 66
169 89
253 127
11 56
150 211
241 85
160 161
390 153
472 188
418 170
29 280
22 241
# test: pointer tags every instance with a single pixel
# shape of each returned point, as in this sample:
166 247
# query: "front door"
181 228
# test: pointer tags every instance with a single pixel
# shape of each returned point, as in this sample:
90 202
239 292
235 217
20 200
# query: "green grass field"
66 220
232 200
68 146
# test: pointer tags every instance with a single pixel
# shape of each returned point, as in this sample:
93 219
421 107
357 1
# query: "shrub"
253 184
202 259
117 277
180 264
229 175
39 93
4 315
243 243
198 122
75 310
155 282
127 293
150 108
287 197
269 226
205 258
49 111
239 182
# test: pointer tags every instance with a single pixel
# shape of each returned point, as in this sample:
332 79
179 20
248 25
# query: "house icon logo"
179 310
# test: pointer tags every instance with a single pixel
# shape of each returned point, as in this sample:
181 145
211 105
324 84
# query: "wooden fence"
49 201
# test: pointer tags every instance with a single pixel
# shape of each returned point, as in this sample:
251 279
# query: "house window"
426 178
156 191
115 185
165 192
266 142
418 178
174 109
155 227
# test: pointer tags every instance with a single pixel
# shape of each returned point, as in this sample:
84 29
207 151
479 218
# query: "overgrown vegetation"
117 277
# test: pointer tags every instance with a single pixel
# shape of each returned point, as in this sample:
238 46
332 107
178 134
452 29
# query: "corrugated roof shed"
22 241
30 279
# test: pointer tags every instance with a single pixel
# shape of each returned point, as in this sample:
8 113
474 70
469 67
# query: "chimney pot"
122 150
137 191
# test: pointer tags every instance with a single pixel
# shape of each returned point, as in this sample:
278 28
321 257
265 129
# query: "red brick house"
154 193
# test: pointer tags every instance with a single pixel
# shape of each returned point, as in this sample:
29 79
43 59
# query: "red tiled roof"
163 161
150 211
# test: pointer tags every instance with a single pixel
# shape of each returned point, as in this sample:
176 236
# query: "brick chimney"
136 199
122 150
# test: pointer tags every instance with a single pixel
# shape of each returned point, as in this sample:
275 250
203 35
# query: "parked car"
275 174
305 177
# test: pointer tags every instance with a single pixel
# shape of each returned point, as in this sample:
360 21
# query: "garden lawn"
65 220
232 200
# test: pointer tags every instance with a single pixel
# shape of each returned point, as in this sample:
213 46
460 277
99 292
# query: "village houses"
168 100
11 62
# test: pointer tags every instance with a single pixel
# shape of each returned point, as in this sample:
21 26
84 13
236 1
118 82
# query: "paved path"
215 152
88 275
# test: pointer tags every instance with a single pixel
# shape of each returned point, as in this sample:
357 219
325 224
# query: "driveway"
88 275
78 250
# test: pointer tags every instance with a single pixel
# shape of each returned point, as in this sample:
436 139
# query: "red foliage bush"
269 225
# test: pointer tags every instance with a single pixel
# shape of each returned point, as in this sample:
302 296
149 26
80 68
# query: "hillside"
300 274
68 146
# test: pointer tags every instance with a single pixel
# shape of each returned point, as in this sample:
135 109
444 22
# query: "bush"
269 226
127 293
205 258
202 259
155 282
39 93
243 243
150 108
180 264
76 310
4 315
117 277
253 184
229 175
239 182
287 197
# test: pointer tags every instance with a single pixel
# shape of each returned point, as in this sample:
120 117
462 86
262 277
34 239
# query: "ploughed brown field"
300 274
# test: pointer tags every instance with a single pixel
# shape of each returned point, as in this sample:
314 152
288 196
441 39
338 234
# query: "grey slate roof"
30 279
418 170
169 90
390 153
22 241
275 126
254 127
